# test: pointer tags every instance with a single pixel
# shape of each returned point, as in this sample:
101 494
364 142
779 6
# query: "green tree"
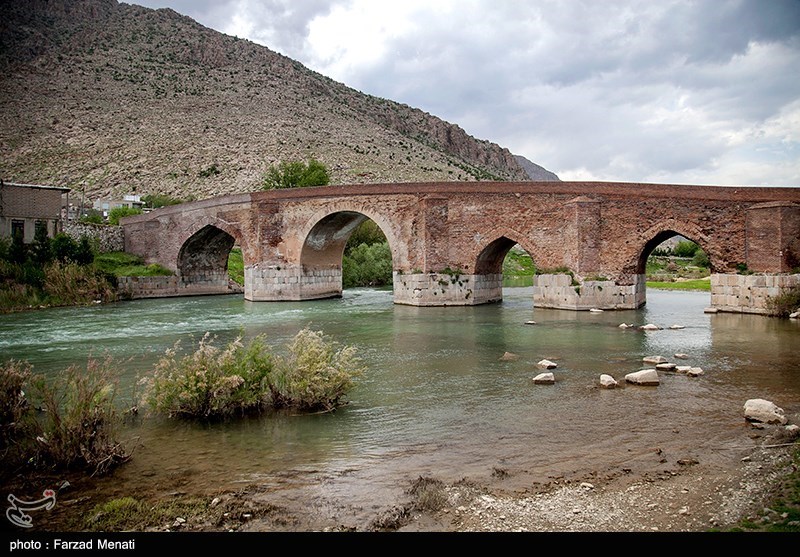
685 249
120 212
41 252
700 259
296 174
17 252
64 247
156 200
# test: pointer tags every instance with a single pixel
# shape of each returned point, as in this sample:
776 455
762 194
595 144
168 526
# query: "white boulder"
676 327
547 364
650 327
544 379
595 310
646 377
682 356
530 322
608 382
795 315
666 366
683 369
764 411
654 359
695 372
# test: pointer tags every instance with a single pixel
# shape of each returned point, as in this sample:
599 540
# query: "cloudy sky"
673 91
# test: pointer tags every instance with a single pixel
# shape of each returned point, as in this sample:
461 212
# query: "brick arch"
635 257
489 260
326 233
205 246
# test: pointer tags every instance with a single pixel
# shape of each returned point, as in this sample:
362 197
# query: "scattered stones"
763 411
666 367
650 327
509 357
654 360
682 356
676 327
547 364
608 382
544 379
645 377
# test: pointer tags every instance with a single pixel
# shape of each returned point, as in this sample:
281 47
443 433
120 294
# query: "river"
436 400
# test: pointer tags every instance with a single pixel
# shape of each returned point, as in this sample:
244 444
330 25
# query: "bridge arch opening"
507 258
346 249
670 258
203 258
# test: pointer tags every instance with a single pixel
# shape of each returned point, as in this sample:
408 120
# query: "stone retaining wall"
107 238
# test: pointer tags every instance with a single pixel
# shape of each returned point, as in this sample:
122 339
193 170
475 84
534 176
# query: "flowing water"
436 400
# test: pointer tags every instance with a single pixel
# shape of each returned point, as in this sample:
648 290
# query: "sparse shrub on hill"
296 174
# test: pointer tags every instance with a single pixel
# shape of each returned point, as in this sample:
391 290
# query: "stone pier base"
564 292
442 289
284 284
748 293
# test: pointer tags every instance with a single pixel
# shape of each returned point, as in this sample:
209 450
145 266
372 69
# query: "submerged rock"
650 327
509 357
682 356
763 411
654 359
646 377
675 327
547 364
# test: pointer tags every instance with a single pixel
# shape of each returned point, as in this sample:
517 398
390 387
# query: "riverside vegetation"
72 421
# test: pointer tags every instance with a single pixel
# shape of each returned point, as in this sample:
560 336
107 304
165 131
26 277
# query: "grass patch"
130 514
236 266
123 264
786 303
429 494
697 285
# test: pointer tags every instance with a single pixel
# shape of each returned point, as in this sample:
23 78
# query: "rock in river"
544 379
763 411
646 377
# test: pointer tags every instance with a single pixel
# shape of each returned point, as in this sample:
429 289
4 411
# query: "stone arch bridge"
448 240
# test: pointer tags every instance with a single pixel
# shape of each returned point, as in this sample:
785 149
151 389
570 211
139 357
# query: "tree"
41 252
685 249
296 174
119 212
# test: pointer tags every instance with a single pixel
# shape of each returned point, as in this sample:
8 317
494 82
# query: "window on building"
17 228
41 226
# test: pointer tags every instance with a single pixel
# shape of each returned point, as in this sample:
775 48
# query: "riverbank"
758 491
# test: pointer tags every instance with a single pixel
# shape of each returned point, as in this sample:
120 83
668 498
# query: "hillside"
114 98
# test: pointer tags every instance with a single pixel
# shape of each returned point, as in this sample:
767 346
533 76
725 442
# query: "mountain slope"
536 172
114 98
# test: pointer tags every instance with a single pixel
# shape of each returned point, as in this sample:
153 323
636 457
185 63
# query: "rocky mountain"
110 98
535 172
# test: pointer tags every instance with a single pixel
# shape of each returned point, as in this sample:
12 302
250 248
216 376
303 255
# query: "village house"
26 207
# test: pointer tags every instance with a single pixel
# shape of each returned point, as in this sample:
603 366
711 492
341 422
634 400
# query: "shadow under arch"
323 250
489 262
203 257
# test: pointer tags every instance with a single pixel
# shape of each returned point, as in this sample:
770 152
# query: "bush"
70 284
784 304
79 422
212 383
701 259
317 374
367 265
236 266
120 212
367 233
296 174
156 200
93 218
685 249
14 408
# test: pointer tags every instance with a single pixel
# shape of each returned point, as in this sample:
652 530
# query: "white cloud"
635 90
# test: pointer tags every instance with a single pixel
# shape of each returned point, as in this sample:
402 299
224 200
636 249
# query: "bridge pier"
735 293
563 291
282 283
446 289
